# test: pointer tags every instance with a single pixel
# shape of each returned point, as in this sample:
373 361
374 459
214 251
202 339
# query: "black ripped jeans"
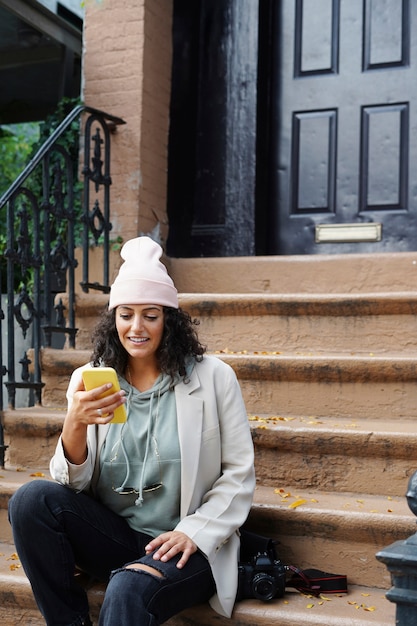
56 529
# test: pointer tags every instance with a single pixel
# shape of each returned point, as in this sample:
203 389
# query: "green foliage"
16 144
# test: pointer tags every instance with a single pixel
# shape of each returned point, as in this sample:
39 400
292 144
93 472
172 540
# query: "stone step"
361 606
369 456
345 273
332 531
359 387
57 367
31 434
351 323
17 604
363 386
11 478
362 323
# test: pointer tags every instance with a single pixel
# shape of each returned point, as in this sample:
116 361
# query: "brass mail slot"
347 233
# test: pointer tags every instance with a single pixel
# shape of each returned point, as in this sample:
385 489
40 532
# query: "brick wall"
127 72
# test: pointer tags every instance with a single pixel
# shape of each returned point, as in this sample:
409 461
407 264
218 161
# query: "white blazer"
217 468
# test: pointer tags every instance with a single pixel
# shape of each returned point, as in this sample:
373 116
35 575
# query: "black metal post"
2 373
401 561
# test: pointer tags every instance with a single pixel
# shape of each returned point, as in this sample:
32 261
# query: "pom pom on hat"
142 278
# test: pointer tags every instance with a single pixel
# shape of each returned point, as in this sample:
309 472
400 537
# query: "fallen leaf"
297 503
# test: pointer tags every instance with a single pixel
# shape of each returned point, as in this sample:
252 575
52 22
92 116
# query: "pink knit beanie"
142 278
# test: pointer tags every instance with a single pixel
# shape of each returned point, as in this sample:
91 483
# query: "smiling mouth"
138 340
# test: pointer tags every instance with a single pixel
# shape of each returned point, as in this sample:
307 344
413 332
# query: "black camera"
263 578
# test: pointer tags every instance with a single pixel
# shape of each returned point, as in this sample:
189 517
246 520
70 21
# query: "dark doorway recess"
293 127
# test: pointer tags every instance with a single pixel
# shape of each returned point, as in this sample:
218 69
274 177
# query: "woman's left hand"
170 544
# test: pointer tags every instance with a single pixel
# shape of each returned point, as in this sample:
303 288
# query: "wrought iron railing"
43 231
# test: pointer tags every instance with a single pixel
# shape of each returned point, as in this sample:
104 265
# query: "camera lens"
264 586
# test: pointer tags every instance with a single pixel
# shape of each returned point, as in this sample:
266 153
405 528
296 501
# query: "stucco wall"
127 73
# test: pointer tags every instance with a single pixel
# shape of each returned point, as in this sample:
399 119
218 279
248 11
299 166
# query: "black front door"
342 127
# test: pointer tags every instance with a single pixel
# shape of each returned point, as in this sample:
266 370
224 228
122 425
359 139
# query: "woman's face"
140 328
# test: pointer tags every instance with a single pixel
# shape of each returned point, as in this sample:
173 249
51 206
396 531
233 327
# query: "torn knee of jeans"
145 568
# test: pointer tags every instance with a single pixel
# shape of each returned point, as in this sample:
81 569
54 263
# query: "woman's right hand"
87 408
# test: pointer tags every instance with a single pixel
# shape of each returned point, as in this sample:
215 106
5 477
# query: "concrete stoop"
329 382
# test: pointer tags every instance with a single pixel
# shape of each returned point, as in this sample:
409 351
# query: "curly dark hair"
179 341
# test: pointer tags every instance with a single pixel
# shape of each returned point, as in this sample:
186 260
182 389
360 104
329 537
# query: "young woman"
154 504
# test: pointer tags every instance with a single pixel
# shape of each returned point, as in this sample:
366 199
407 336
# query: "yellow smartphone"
98 376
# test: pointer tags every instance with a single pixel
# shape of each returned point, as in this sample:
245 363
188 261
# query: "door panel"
343 126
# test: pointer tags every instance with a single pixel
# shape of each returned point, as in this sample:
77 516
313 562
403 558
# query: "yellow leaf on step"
37 474
310 606
297 503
